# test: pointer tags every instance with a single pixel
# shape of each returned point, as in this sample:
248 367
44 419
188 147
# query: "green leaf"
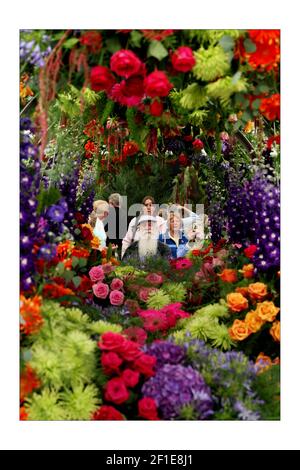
77 231
60 268
262 88
75 262
135 38
68 275
227 42
82 262
249 45
113 44
76 281
246 116
69 43
46 198
157 50
256 104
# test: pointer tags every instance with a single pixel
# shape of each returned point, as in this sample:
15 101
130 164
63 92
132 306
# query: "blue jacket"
176 251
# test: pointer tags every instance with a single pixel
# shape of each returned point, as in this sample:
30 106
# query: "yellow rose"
253 321
239 330
257 291
267 311
275 331
236 302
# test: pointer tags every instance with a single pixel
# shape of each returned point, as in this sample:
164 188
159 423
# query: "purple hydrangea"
175 386
166 353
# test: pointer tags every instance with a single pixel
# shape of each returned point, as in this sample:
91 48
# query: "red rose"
129 92
183 59
198 144
107 413
101 78
111 342
157 84
125 63
92 40
156 108
116 391
110 362
130 377
147 408
145 364
86 233
250 250
182 159
131 351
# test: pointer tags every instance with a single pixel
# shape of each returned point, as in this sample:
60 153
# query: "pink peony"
117 284
101 290
116 297
183 59
154 278
144 293
96 273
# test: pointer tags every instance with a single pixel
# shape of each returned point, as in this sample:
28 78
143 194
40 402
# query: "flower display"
157 84
101 78
125 63
107 413
116 297
183 59
236 302
101 290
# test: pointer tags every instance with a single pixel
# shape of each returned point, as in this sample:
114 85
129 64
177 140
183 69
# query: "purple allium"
175 386
166 353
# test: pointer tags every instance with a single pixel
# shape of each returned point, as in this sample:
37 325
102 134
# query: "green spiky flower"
201 327
45 407
102 326
158 299
211 63
220 337
213 311
176 291
80 402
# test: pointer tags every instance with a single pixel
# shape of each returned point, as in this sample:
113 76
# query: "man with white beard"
147 244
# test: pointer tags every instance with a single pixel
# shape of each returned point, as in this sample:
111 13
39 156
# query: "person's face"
148 229
148 207
174 223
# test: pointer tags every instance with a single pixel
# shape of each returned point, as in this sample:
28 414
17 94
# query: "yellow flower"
275 331
239 330
257 290
249 127
267 311
236 302
95 242
254 321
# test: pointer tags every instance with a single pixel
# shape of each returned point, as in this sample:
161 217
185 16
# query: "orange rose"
95 242
228 275
239 330
242 290
275 331
236 302
247 271
267 311
257 291
253 321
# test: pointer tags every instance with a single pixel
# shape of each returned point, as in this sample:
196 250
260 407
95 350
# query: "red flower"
198 144
157 35
28 382
157 84
116 391
30 312
183 263
147 408
137 334
130 148
129 92
23 414
107 413
112 342
250 250
131 351
154 320
183 59
270 107
110 362
145 364
267 53
271 140
101 78
86 233
156 108
90 149
182 159
130 377
125 63
92 40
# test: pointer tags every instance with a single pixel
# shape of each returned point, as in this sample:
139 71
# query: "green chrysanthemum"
45 407
211 63
80 402
201 328
220 337
213 311
176 291
157 300
102 326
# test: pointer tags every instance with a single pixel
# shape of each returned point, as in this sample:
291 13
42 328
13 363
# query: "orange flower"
63 249
275 331
68 263
257 291
114 261
249 127
55 291
270 107
242 290
28 382
31 318
23 414
236 302
267 311
263 362
228 275
80 252
247 271
239 331
254 321
95 242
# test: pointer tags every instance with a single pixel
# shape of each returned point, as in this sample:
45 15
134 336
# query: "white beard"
147 246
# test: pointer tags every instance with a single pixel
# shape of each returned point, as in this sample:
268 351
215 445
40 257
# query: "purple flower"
175 386
47 252
56 213
166 353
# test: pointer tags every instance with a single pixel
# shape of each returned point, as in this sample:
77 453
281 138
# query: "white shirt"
100 232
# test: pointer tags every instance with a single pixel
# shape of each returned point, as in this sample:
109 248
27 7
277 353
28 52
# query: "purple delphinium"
33 53
175 386
166 352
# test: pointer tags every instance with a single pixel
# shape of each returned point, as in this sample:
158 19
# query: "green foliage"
80 402
211 63
175 290
223 88
156 49
193 97
135 130
157 300
47 197
45 407
198 117
107 111
268 389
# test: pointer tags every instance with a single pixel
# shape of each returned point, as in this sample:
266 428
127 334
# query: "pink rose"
144 293
117 284
107 268
183 59
96 273
154 278
116 297
101 290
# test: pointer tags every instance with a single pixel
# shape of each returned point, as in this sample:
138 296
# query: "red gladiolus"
156 108
92 40
125 63
270 107
101 78
157 84
183 59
